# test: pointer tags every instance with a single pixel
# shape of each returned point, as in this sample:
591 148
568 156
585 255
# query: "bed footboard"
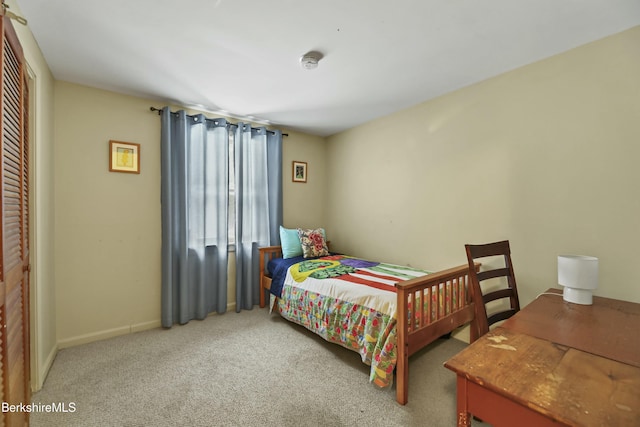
429 307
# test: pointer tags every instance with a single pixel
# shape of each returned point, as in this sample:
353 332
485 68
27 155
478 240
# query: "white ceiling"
241 57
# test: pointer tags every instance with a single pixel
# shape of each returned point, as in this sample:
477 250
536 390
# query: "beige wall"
108 239
304 203
107 224
545 156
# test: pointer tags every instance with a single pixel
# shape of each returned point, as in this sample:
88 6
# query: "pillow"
313 242
290 242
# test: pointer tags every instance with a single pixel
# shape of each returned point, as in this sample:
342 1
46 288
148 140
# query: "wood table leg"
464 418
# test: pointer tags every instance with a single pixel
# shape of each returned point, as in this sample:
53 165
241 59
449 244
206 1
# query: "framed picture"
124 157
299 171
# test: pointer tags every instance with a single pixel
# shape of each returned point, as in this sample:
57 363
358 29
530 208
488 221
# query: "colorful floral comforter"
351 302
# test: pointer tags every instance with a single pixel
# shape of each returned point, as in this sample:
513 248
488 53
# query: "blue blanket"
278 268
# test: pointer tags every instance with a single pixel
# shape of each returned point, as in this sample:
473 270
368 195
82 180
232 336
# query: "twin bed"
384 312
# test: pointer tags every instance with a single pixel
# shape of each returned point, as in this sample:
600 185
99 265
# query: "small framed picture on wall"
299 171
124 157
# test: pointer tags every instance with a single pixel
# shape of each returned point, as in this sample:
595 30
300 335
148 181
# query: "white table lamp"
579 276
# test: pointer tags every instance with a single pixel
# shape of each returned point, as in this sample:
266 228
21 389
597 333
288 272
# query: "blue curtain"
194 197
258 190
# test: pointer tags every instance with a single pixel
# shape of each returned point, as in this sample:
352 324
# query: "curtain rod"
159 110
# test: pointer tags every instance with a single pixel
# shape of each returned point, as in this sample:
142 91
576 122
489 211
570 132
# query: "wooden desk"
608 328
533 371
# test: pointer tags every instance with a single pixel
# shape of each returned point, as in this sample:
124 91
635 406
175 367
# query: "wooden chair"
481 298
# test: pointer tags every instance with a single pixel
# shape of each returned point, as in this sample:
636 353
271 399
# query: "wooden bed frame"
411 336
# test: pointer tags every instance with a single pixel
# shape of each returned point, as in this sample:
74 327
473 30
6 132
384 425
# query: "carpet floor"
238 369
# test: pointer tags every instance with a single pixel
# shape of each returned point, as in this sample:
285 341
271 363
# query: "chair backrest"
485 292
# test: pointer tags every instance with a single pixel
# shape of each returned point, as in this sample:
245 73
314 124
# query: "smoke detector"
310 60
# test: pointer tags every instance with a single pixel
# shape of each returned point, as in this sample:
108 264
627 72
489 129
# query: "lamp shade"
579 276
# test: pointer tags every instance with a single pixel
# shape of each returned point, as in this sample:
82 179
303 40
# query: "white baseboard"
43 371
48 363
111 333
145 326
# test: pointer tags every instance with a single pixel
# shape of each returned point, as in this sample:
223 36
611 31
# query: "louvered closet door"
14 267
